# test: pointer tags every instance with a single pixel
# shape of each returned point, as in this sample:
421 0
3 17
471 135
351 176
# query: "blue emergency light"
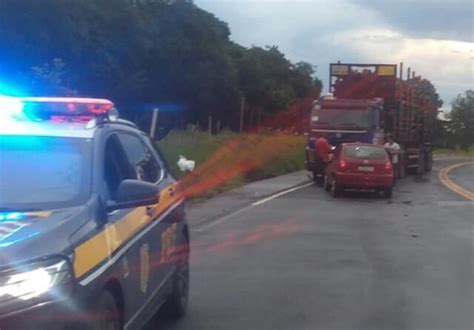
52 108
11 216
10 107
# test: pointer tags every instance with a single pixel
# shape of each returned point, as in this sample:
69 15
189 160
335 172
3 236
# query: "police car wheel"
177 303
106 313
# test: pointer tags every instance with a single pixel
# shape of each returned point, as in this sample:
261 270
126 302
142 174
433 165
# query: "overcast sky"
434 37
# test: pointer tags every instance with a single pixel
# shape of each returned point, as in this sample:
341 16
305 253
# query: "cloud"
447 63
440 19
321 32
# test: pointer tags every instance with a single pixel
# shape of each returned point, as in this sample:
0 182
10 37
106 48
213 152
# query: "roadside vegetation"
228 160
456 131
146 54
455 152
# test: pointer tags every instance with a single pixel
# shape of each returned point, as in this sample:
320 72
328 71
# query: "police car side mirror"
134 193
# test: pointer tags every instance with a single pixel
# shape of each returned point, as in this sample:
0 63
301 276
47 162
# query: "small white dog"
186 165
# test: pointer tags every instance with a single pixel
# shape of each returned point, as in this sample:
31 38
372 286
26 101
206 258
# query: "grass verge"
455 152
229 160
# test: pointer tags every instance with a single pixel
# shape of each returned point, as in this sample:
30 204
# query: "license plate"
366 168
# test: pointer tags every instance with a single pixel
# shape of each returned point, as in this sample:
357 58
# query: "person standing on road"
393 149
322 154
322 148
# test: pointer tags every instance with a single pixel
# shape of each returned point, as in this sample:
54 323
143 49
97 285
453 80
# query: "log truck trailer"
366 103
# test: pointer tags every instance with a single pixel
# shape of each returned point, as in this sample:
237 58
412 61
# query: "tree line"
143 54
456 128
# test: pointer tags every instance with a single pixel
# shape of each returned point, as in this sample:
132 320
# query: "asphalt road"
308 261
464 176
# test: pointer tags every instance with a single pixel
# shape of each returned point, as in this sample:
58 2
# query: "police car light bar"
10 107
41 107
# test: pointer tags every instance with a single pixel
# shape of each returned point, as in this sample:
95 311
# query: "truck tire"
318 178
335 189
106 314
402 167
315 176
387 192
327 187
421 164
429 162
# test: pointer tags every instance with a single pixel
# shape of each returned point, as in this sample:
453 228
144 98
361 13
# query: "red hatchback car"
359 166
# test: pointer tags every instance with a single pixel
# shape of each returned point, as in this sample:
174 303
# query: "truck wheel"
388 192
402 168
335 189
327 187
421 164
106 315
403 171
429 162
176 305
318 178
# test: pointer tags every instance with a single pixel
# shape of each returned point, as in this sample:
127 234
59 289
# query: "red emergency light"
48 107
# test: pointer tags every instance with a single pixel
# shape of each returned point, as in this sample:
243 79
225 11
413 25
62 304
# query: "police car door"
155 270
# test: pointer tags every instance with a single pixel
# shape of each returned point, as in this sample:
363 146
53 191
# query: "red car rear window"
365 152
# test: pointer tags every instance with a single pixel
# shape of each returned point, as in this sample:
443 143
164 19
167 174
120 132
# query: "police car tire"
176 305
106 313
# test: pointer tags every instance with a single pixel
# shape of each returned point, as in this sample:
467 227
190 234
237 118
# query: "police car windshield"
38 172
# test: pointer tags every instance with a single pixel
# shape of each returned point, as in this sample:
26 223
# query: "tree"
461 119
143 53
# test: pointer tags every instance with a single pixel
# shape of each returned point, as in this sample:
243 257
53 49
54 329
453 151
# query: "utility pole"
210 125
153 122
242 109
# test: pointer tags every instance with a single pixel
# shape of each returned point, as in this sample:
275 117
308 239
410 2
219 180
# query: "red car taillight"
388 168
342 165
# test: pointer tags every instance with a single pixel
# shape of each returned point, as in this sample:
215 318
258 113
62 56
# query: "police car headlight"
36 283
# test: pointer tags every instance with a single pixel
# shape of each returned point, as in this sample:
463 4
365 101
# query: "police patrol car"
92 226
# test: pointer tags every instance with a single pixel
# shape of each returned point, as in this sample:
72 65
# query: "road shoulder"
206 211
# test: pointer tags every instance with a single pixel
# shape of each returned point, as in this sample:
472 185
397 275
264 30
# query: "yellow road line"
444 178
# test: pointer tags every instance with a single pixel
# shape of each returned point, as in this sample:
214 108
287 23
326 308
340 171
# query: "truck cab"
344 121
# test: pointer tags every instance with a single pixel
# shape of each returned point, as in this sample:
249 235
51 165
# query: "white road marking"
220 220
226 217
284 192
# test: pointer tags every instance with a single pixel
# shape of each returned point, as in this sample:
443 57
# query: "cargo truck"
366 103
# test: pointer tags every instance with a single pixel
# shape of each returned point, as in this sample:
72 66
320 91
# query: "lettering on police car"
144 267
168 243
